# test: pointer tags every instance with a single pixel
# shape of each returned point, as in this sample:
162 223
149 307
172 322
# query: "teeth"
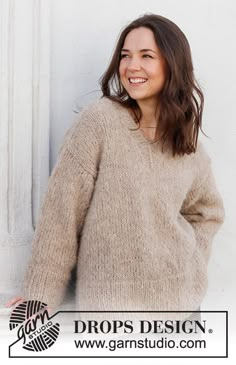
137 81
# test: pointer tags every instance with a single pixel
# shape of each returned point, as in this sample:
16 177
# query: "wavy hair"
180 101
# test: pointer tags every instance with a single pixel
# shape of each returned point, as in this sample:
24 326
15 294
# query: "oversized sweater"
138 222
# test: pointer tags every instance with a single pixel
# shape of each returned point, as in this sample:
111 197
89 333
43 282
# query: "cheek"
123 67
158 74
121 70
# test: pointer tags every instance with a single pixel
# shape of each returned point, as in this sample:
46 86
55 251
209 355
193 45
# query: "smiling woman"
142 71
142 74
136 218
154 49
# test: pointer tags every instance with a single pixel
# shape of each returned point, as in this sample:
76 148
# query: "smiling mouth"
137 80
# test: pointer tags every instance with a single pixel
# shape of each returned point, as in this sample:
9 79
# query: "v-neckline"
134 128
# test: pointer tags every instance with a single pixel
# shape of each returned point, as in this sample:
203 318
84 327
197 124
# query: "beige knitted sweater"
138 222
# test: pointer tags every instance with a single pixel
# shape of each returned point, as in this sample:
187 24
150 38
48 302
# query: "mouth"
137 80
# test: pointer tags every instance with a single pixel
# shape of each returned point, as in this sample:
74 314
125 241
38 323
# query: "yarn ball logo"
34 325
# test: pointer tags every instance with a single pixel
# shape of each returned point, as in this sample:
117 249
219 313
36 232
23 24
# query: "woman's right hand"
14 302
17 300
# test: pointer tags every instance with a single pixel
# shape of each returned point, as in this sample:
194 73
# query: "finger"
14 301
19 302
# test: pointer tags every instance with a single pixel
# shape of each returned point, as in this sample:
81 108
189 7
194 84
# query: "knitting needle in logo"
35 327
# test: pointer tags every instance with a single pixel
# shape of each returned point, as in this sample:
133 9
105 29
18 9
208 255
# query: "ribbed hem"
167 295
40 286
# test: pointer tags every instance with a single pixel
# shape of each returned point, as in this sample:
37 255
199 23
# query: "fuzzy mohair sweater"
138 222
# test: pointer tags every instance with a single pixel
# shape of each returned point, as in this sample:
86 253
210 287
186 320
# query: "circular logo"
34 325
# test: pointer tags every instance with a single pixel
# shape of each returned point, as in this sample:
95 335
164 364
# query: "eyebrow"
141 50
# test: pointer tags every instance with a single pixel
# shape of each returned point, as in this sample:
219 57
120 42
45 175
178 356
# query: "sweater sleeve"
203 209
67 199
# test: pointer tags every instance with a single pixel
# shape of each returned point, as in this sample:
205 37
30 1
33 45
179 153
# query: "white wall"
83 37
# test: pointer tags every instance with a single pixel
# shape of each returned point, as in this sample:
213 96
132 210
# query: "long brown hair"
181 99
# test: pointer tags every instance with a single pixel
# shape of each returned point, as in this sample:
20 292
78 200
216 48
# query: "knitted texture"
138 222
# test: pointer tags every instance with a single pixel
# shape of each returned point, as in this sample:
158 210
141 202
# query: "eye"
147 56
124 55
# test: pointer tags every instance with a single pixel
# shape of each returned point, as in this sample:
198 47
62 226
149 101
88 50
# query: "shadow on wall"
85 99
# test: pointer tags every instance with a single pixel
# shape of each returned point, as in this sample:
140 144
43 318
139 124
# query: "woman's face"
142 67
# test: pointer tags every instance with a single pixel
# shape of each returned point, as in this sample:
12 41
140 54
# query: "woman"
132 199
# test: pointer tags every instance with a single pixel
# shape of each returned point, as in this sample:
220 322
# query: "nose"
134 64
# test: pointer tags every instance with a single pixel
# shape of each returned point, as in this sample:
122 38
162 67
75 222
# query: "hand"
17 300
14 301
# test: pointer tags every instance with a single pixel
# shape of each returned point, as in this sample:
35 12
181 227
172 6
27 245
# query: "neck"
149 115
